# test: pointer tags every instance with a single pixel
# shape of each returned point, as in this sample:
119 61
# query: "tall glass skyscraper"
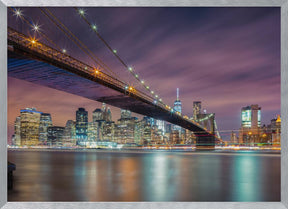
178 108
55 135
45 122
81 125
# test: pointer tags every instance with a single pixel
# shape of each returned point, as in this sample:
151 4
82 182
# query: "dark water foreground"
145 176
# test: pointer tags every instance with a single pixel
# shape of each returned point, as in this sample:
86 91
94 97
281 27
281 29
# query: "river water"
145 176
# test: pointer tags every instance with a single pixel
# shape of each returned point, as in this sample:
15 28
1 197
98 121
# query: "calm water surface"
152 176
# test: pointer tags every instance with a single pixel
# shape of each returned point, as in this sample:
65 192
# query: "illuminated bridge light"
147 87
126 87
142 82
35 27
130 69
114 51
64 51
136 76
156 96
152 92
130 88
18 13
33 41
160 100
155 101
81 12
94 27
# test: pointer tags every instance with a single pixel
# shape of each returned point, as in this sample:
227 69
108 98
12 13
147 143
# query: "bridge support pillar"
205 142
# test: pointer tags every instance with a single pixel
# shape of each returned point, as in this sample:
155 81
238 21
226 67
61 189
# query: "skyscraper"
161 125
81 125
29 126
55 135
17 131
69 136
45 122
177 103
178 108
250 124
103 114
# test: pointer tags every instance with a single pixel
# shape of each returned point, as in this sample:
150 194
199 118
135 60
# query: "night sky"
227 58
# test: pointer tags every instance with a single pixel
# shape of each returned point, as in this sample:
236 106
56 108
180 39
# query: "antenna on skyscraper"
177 93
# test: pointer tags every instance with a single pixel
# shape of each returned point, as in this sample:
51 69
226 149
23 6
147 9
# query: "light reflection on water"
156 176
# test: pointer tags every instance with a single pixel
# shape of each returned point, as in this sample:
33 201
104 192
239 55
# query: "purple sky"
227 58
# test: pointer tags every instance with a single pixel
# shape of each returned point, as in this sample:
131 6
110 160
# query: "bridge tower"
206 141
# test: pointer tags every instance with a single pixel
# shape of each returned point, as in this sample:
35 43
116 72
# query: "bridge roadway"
38 63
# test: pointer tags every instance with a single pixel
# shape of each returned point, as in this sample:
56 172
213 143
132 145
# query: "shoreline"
186 152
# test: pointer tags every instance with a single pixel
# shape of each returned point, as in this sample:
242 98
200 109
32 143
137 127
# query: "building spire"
177 93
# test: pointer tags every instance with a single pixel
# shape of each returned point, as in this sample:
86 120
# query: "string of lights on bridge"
36 28
82 14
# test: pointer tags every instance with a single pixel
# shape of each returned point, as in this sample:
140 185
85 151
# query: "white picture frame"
139 205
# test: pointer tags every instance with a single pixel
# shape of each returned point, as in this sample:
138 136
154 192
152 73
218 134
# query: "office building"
69 136
17 131
55 136
29 126
45 122
108 131
81 126
250 124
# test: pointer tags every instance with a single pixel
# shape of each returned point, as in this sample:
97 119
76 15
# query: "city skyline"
104 115
251 77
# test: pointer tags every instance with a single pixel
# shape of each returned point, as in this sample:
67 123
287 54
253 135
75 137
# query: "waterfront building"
81 125
250 124
69 135
17 131
45 122
55 135
92 132
108 131
29 126
124 129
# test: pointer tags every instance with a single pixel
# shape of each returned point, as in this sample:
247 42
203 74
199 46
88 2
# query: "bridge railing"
54 54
